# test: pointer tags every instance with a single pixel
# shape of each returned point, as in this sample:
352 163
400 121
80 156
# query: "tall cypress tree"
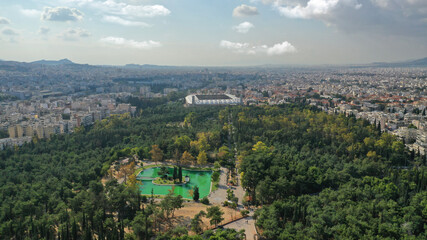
196 194
180 174
175 173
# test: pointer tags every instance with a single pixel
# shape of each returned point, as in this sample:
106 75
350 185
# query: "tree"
175 173
202 143
202 159
177 203
182 143
171 202
179 231
167 204
260 147
215 214
132 181
126 170
75 230
180 174
196 222
215 176
196 194
176 156
156 153
217 165
189 119
224 153
187 158
141 225
163 172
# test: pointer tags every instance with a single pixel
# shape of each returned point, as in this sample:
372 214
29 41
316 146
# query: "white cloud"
314 8
9 32
243 27
124 9
281 48
124 22
397 17
44 30
30 12
122 42
237 47
74 34
4 20
61 14
244 11
144 11
246 48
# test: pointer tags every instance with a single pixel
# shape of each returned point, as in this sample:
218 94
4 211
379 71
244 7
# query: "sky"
214 32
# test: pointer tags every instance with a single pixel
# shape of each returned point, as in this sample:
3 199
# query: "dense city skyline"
219 33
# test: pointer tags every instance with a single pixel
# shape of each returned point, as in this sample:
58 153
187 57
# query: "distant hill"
64 61
420 62
412 63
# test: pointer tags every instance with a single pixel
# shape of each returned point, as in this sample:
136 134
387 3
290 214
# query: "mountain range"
66 62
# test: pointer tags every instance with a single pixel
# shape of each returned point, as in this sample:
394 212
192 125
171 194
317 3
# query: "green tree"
182 143
215 214
175 173
196 194
196 222
202 158
142 225
180 174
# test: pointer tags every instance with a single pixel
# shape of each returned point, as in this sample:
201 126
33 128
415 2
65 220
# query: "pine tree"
74 230
196 194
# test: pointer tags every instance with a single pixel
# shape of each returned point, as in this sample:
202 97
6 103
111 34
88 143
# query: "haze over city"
214 33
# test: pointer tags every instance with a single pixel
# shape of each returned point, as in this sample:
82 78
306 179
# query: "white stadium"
217 99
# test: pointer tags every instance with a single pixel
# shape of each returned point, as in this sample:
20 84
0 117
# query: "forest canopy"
314 175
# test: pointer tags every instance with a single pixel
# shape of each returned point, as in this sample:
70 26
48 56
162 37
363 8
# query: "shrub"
205 201
244 212
215 176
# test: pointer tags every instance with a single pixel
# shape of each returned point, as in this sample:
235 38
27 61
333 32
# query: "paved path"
247 223
239 192
220 195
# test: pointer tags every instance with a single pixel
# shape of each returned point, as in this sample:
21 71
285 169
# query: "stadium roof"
212 97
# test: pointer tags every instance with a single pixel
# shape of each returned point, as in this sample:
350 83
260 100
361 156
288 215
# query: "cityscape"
395 98
213 120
